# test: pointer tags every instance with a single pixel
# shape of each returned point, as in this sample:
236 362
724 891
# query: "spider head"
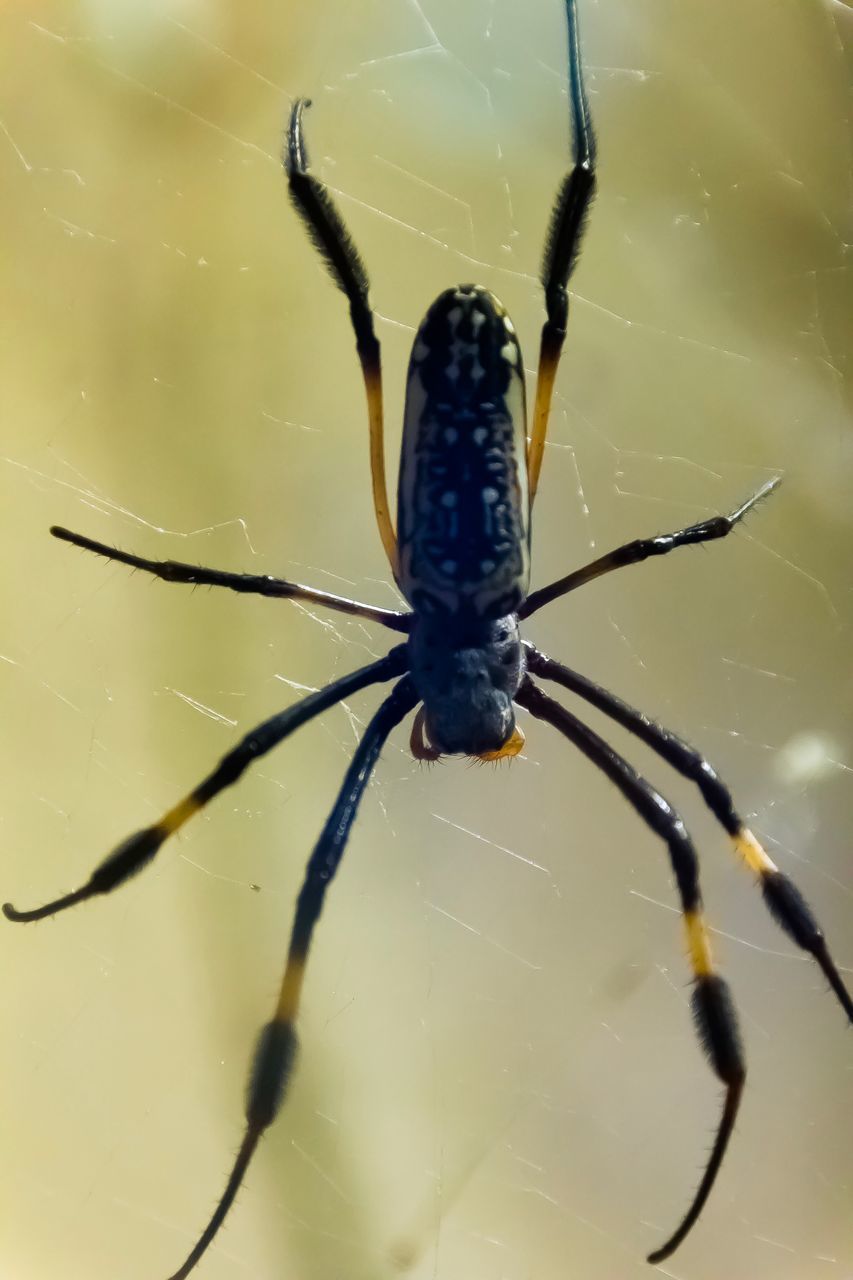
467 672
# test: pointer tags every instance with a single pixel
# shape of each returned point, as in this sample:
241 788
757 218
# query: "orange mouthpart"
422 749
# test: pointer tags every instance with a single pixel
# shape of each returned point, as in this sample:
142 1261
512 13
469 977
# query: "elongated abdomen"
463 518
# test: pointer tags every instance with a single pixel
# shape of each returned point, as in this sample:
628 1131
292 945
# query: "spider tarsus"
80 540
268 1080
734 1093
49 908
125 861
292 152
241 1164
833 977
716 1025
760 494
86 544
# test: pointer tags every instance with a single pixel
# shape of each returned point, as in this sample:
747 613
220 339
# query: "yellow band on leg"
291 990
698 944
175 818
373 387
752 853
541 414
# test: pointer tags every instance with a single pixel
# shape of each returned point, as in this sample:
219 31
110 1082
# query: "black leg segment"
562 246
137 850
783 898
643 548
246 583
276 1048
713 1008
328 232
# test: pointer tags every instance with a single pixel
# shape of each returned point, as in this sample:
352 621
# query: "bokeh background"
499 1079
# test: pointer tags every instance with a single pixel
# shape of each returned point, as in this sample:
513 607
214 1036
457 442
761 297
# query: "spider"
460 556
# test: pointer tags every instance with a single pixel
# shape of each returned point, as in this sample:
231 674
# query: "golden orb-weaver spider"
461 558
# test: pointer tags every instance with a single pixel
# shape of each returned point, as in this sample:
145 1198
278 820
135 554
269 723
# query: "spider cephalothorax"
467 674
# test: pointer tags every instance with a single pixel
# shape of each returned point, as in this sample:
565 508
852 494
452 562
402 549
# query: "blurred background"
499 1079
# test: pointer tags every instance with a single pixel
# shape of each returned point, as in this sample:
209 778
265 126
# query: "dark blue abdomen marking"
463 521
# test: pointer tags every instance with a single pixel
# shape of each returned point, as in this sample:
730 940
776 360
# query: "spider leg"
643 548
247 583
277 1043
713 1008
328 231
784 900
562 246
134 853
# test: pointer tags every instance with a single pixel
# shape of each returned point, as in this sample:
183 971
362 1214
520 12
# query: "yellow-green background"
498 1070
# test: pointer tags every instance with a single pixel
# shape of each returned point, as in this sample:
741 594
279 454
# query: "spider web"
498 1070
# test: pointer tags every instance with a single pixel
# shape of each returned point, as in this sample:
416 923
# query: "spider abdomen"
463 519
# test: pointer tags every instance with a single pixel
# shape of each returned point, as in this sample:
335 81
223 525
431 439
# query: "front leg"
248 583
643 549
